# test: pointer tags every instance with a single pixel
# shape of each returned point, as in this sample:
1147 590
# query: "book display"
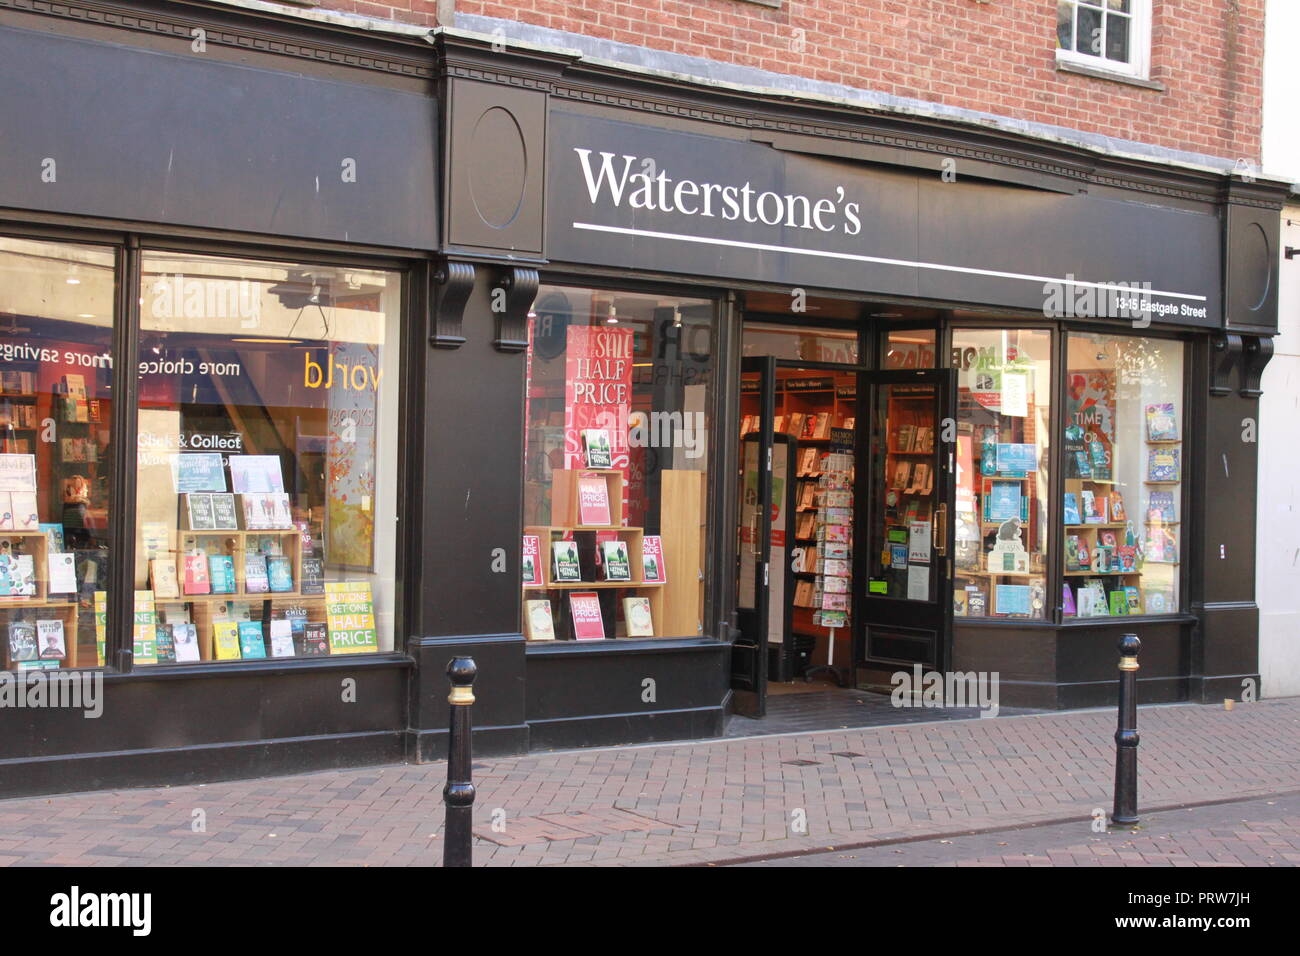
598 559
1002 450
1122 485
236 576
1160 549
616 451
903 564
38 579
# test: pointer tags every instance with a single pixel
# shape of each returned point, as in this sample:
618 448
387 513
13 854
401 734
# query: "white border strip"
854 257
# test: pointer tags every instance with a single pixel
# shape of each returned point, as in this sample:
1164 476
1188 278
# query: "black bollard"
458 794
1126 736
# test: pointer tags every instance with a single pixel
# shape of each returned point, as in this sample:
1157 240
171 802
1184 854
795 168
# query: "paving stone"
714 801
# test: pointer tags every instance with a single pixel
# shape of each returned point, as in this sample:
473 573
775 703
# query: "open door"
906 602
753 591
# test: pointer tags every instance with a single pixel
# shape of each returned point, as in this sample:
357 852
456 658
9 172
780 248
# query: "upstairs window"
1110 35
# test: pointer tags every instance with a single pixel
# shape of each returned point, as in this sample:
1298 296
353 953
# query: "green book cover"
251 642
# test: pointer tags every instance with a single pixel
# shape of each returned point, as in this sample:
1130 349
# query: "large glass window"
617 421
1122 452
266 510
56 369
1004 385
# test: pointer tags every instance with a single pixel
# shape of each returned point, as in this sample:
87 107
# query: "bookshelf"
19 417
1162 493
43 605
674 603
808 407
202 610
1000 568
1100 555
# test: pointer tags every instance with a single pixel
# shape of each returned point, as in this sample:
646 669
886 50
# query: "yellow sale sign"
350 616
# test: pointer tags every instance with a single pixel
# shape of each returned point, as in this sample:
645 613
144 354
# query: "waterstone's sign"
654 200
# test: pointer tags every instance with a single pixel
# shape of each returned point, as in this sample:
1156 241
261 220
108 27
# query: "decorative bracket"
512 297
453 282
1225 350
1257 351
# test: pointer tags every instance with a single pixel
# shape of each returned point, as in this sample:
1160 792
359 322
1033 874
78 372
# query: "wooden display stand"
675 605
1089 535
233 543
44 604
564 496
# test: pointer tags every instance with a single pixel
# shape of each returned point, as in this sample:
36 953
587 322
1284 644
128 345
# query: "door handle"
939 530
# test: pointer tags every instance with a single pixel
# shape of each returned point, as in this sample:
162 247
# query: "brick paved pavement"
1261 832
704 802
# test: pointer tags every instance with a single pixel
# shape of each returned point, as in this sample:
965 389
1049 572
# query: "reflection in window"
1000 528
617 421
267 481
807 343
56 331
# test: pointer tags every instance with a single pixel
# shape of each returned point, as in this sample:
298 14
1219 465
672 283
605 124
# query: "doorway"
845 571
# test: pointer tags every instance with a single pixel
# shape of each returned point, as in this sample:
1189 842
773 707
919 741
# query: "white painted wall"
1277 578
1277 588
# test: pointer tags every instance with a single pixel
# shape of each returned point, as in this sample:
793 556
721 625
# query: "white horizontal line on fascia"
879 260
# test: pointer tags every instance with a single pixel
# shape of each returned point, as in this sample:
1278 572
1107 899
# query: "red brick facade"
996 56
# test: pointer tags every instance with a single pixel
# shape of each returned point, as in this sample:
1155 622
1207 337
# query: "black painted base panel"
199 764
431 745
608 730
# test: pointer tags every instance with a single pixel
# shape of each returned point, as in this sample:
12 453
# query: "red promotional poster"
588 625
531 564
593 500
654 571
598 392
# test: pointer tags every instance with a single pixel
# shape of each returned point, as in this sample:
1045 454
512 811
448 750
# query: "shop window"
1112 35
267 460
56 332
1002 456
1122 455
617 415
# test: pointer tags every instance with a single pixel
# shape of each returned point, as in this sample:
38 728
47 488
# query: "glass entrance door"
905 598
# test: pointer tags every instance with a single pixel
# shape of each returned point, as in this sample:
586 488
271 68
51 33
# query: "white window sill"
1101 73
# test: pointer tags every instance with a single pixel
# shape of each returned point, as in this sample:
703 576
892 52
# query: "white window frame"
1139 47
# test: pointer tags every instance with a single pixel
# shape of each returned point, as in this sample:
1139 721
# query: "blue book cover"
1100 464
1161 506
1072 515
1164 464
280 569
1003 500
1011 599
221 572
1017 459
251 643
54 535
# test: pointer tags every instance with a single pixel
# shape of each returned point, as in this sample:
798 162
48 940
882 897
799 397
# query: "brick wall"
997 56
